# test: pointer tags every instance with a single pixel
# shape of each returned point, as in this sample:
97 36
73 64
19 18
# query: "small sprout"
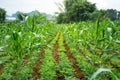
36 35
1 48
81 32
111 38
0 62
117 41
7 37
20 33
109 29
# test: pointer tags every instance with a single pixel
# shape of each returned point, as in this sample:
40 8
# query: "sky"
49 6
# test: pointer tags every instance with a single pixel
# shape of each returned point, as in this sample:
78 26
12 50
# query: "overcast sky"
48 6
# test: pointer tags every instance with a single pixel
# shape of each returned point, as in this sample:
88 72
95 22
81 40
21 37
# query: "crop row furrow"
56 57
65 66
105 62
99 62
78 72
48 67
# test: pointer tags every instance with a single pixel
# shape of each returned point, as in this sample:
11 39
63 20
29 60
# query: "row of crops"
96 47
49 51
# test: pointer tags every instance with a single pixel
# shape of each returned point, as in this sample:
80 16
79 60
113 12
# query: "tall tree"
76 10
112 14
118 14
2 15
98 13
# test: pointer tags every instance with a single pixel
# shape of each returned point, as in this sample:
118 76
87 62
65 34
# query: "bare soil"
56 57
55 53
1 69
38 63
78 72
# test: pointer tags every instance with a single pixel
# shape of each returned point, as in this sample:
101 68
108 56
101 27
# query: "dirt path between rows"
56 57
1 69
78 72
8 62
55 52
38 64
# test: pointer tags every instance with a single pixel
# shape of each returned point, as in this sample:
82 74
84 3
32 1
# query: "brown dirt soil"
56 57
78 72
1 69
60 77
36 69
41 55
26 57
55 52
37 65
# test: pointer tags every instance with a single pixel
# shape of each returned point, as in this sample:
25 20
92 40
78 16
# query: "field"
49 51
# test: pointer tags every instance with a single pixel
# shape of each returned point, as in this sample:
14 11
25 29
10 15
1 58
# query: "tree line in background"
73 11
83 10
21 16
2 15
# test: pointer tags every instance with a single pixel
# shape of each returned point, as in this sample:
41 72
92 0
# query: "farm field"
49 51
